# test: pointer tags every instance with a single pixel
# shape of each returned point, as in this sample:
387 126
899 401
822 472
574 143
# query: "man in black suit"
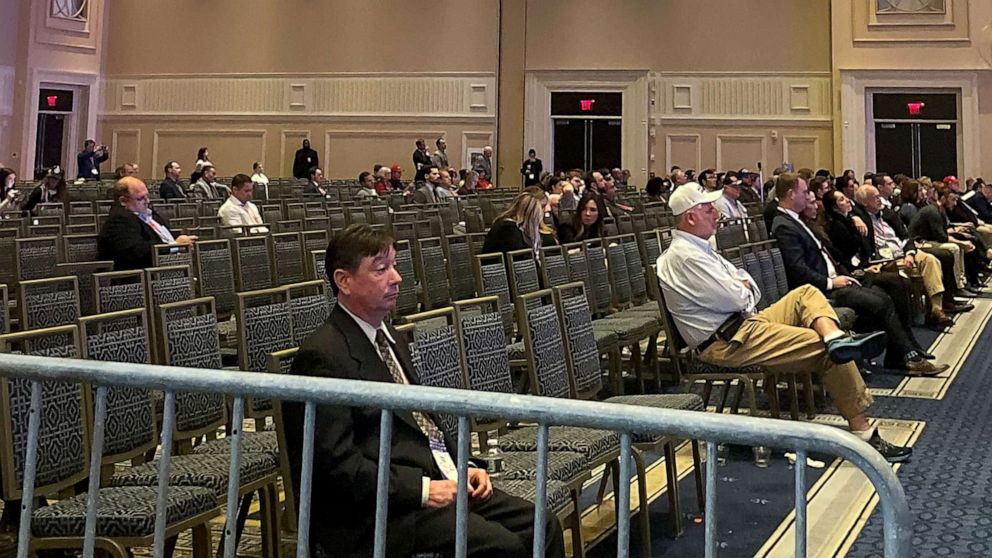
931 224
132 231
304 160
981 202
170 187
356 344
421 160
808 263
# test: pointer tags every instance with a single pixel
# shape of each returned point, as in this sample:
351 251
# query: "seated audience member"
568 200
967 216
886 242
9 195
847 231
259 179
930 224
608 193
426 191
470 185
396 178
170 188
886 186
587 222
382 186
315 184
708 180
206 186
678 177
807 262
356 343
520 226
484 165
981 201
366 186
713 306
445 188
911 198
127 169
239 209
729 203
847 184
749 192
657 189
133 229
53 189
820 185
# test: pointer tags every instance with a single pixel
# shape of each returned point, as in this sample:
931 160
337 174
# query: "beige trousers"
958 258
780 339
930 270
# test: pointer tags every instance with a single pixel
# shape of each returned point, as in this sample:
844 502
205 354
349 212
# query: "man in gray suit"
427 193
485 165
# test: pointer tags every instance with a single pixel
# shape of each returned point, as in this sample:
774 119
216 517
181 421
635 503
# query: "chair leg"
810 401
644 513
578 543
707 392
738 396
674 508
601 492
698 474
111 547
794 395
771 388
201 541
727 385
170 545
269 506
616 370
635 364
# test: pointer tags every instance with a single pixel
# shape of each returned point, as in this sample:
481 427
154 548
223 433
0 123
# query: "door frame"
81 121
538 127
857 122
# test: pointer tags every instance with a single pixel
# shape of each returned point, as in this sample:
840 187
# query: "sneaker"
862 346
892 453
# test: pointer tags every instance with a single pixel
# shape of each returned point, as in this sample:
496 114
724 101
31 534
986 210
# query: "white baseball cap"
690 195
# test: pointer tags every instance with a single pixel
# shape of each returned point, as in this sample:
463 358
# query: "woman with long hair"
850 245
202 160
51 190
520 226
587 223
8 194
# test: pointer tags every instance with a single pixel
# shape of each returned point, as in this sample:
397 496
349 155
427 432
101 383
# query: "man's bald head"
132 194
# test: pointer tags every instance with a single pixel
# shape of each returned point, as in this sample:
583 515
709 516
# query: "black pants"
899 289
876 312
502 526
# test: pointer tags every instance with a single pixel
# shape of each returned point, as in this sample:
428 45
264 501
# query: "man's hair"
362 176
862 193
348 248
255 165
313 171
169 166
88 143
785 182
122 187
438 141
239 181
206 168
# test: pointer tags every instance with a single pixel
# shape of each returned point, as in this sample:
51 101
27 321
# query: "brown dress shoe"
938 320
924 368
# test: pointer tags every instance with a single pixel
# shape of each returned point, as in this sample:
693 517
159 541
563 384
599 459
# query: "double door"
916 134
587 144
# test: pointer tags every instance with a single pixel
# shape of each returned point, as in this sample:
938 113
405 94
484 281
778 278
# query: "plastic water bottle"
494 458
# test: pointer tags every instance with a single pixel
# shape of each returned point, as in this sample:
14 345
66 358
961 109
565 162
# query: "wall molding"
412 96
787 141
199 133
696 139
761 140
299 135
6 90
412 134
733 96
114 140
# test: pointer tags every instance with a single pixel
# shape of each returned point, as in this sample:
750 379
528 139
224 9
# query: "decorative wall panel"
6 90
707 96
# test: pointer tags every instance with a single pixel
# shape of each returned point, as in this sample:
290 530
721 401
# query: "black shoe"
956 307
862 346
891 453
967 292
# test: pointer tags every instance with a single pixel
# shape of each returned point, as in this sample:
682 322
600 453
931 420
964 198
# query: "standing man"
304 160
485 165
170 188
532 169
440 158
356 343
239 209
132 231
421 160
89 159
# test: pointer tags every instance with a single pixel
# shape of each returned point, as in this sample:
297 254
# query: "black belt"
726 332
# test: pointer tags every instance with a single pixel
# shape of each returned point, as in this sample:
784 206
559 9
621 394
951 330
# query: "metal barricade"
626 419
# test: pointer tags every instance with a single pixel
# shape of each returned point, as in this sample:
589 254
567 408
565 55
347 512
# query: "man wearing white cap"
713 306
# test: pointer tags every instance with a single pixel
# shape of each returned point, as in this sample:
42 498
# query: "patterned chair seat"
209 471
605 339
677 401
594 445
629 329
559 496
251 442
121 512
516 351
564 466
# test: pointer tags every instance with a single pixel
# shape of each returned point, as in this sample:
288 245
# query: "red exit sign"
915 109
586 104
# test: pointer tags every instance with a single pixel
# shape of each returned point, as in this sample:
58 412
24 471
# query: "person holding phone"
89 159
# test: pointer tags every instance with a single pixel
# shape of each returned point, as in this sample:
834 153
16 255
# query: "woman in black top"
520 226
51 190
587 223
847 232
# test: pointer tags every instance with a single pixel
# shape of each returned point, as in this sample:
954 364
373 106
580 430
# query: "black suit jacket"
346 446
303 161
421 163
847 240
169 189
804 264
981 206
128 241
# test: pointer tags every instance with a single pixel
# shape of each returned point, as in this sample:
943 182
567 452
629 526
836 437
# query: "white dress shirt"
831 268
702 289
731 209
234 213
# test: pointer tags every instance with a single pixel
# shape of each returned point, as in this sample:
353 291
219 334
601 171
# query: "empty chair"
119 290
435 290
4 310
36 257
252 267
80 248
492 281
84 271
49 302
596 262
265 326
215 273
406 301
309 307
165 285
287 258
461 277
554 266
172 254
314 240
44 230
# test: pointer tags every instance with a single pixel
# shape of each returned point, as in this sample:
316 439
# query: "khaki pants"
930 270
958 258
780 339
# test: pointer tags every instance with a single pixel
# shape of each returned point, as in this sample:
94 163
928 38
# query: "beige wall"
678 35
947 50
9 42
298 36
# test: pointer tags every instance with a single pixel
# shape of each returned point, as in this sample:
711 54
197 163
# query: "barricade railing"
625 419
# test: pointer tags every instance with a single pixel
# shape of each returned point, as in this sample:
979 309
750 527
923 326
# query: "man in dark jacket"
981 202
931 224
170 188
421 160
808 263
130 234
89 159
304 160
355 343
